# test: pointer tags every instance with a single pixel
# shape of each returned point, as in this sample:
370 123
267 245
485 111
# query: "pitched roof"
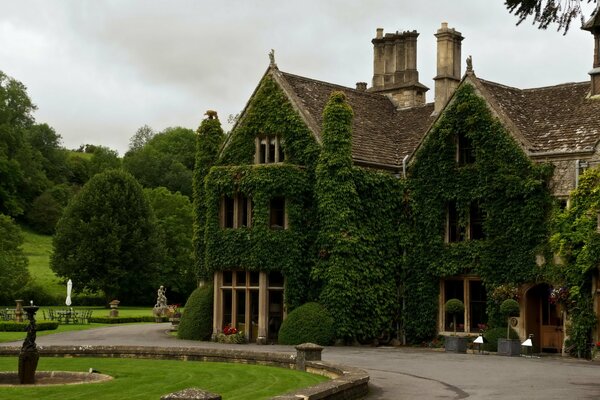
380 134
561 119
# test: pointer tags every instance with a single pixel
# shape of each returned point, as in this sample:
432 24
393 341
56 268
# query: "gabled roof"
554 119
382 136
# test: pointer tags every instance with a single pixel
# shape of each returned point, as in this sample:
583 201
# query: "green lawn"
19 336
38 248
149 379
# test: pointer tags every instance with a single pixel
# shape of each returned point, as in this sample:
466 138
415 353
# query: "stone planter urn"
509 347
455 344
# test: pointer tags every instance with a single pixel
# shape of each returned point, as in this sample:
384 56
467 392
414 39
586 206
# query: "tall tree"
140 138
106 239
209 139
13 263
547 12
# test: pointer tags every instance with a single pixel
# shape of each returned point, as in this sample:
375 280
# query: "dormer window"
268 150
465 152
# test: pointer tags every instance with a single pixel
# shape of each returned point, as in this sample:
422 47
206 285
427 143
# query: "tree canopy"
107 240
13 263
547 12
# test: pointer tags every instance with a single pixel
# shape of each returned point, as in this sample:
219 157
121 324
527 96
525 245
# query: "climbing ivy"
356 264
509 188
209 139
577 241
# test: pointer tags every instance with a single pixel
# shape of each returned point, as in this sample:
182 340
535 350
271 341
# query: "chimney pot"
444 26
361 86
379 33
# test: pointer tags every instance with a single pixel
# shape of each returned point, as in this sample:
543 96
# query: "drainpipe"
404 166
576 173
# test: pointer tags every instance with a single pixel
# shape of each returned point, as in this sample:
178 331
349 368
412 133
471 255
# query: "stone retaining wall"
346 383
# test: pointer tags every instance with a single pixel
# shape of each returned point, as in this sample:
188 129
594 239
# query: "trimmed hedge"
493 334
124 320
309 323
197 318
11 326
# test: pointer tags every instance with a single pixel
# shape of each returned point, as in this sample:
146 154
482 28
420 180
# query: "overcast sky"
98 70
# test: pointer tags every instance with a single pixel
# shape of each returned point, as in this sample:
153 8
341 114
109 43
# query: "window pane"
281 155
228 210
254 278
272 150
227 278
227 307
240 278
275 279
466 152
241 310
456 233
477 217
243 215
477 303
262 152
275 313
453 289
277 210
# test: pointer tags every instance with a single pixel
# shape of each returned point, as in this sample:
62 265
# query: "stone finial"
272 63
469 64
211 114
361 86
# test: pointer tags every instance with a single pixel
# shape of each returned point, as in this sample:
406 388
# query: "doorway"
544 320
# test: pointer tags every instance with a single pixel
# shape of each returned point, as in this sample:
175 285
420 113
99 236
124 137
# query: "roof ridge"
533 88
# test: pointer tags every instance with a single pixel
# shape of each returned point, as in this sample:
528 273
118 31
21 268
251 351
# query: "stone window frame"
466 280
238 214
268 150
465 151
264 289
463 233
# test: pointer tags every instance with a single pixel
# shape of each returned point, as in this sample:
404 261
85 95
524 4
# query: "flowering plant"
173 310
229 330
558 295
505 292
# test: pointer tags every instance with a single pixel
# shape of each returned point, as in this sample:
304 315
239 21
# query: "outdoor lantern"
480 340
528 344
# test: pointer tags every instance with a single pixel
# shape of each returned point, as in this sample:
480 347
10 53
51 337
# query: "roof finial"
211 114
470 64
272 59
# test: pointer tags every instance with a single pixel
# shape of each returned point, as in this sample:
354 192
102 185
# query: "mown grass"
149 379
38 248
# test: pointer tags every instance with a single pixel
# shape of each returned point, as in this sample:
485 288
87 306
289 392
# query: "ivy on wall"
509 188
577 241
356 264
209 139
290 251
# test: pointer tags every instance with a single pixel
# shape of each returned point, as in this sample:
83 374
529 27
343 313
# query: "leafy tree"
13 263
78 169
141 137
44 139
48 207
103 159
210 137
107 240
173 213
547 12
165 160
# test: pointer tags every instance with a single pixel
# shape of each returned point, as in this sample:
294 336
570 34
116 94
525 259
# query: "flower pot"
509 347
455 344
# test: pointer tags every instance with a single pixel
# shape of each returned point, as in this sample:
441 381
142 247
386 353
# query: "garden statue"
160 308
29 356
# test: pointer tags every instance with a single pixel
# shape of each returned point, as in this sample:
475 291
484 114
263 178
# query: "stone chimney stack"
593 25
395 68
448 64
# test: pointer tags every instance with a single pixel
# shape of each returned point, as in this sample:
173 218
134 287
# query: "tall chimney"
395 68
448 64
593 25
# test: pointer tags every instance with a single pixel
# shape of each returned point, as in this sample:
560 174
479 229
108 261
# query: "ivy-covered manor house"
382 207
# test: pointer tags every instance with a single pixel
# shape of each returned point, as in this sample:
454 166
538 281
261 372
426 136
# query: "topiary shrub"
454 307
509 308
197 318
309 323
492 335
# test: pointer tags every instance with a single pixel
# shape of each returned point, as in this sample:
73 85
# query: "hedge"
197 318
124 320
309 323
11 326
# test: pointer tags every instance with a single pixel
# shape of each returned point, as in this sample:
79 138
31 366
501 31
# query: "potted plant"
455 344
509 347
174 316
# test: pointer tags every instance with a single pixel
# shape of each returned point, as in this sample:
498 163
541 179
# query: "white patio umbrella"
69 288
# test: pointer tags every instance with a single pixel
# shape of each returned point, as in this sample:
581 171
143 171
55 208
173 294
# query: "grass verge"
149 379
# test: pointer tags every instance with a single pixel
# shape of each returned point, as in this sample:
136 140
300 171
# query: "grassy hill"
38 248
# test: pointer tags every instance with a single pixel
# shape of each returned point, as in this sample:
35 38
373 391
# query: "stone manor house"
260 247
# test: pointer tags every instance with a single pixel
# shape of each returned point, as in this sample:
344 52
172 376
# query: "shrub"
238 338
124 320
11 326
492 335
454 307
510 308
197 317
309 323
